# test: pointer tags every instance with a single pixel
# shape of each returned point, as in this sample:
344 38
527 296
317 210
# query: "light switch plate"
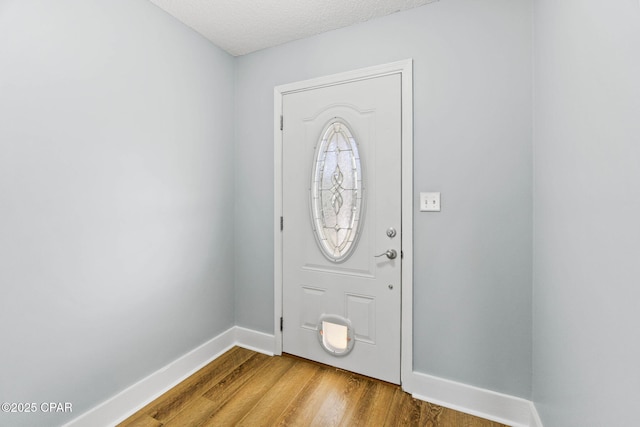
430 202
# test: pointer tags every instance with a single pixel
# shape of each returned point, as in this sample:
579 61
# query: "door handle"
390 253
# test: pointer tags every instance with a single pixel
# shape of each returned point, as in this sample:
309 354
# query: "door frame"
405 69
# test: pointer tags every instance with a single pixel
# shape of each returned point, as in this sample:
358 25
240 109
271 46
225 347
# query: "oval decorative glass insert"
336 191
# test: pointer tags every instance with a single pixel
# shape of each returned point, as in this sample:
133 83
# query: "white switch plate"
430 202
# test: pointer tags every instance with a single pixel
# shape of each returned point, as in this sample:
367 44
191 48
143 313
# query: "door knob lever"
390 253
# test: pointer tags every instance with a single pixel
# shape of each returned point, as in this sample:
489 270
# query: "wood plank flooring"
245 388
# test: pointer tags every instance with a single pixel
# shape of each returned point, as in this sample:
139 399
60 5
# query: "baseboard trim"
256 341
498 407
535 417
133 398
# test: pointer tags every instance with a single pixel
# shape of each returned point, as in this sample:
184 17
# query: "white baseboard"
127 402
487 404
502 408
535 417
254 340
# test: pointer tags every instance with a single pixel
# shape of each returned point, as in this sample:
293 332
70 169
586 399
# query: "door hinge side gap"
281 122
281 223
281 324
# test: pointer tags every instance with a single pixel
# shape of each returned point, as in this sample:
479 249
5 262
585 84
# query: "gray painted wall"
116 198
587 210
473 127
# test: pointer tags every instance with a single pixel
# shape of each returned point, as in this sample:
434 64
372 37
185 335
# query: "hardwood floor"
246 388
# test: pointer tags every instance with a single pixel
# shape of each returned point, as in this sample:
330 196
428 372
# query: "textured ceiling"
244 26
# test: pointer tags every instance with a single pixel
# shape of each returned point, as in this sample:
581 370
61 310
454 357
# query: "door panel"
361 289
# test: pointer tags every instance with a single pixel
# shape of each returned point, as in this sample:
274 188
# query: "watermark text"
32 407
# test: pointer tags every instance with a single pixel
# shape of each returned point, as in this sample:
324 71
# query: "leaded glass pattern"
336 191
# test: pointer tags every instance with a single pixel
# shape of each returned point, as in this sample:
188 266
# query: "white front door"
342 230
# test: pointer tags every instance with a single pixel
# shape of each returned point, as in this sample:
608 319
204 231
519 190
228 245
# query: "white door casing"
375 105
